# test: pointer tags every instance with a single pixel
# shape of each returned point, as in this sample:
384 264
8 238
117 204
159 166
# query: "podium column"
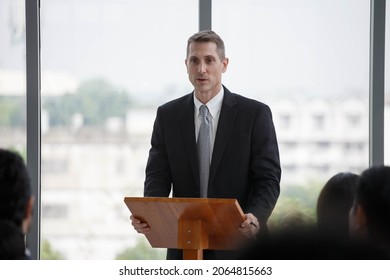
192 238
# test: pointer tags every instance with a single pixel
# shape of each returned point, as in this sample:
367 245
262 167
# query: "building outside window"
309 58
12 76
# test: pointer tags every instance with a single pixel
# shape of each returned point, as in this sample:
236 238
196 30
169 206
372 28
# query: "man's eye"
209 60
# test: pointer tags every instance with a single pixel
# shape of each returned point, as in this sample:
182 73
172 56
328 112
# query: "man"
225 149
369 217
16 204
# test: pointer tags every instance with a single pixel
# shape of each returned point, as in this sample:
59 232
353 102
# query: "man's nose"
202 67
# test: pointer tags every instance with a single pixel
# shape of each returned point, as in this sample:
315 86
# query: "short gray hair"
208 36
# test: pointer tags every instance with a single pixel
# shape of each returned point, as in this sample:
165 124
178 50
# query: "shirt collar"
214 105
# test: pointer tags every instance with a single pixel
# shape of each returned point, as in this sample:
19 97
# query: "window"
311 55
298 49
106 66
318 122
12 76
304 57
54 211
54 166
285 121
354 120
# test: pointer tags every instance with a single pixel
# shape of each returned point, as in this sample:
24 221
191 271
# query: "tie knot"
203 111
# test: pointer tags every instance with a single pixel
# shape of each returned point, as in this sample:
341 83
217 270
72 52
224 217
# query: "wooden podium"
191 224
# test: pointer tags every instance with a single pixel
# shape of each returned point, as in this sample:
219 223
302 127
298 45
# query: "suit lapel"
187 127
225 127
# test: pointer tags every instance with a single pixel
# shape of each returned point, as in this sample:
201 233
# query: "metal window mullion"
204 15
377 82
33 109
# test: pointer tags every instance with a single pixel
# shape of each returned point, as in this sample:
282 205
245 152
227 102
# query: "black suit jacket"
245 161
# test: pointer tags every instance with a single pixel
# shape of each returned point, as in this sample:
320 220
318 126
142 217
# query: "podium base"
196 254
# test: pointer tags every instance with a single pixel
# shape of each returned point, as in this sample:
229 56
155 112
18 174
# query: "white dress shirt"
214 106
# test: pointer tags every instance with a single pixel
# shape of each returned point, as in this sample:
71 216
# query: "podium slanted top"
220 219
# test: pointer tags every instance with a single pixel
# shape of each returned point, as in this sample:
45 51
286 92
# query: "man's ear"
28 215
225 63
185 62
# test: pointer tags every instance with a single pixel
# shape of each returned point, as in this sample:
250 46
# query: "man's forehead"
203 49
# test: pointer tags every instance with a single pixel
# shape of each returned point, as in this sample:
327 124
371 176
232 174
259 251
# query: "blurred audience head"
334 203
16 204
370 214
365 199
12 245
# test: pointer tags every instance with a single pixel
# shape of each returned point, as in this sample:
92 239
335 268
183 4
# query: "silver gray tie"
204 150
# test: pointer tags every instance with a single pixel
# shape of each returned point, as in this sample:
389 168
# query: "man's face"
205 68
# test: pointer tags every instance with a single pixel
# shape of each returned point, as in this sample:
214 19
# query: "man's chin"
202 87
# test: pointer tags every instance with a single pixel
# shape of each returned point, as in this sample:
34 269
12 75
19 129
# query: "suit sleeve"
265 166
158 178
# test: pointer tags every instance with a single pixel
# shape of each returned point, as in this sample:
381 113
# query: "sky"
279 46
312 47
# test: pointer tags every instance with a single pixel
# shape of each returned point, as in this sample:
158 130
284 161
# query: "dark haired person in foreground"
16 203
213 143
369 223
370 213
334 202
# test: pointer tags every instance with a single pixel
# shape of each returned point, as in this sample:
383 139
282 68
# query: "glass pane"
13 75
309 61
106 66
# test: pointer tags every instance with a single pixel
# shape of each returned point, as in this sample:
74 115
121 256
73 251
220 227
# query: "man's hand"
140 227
250 227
